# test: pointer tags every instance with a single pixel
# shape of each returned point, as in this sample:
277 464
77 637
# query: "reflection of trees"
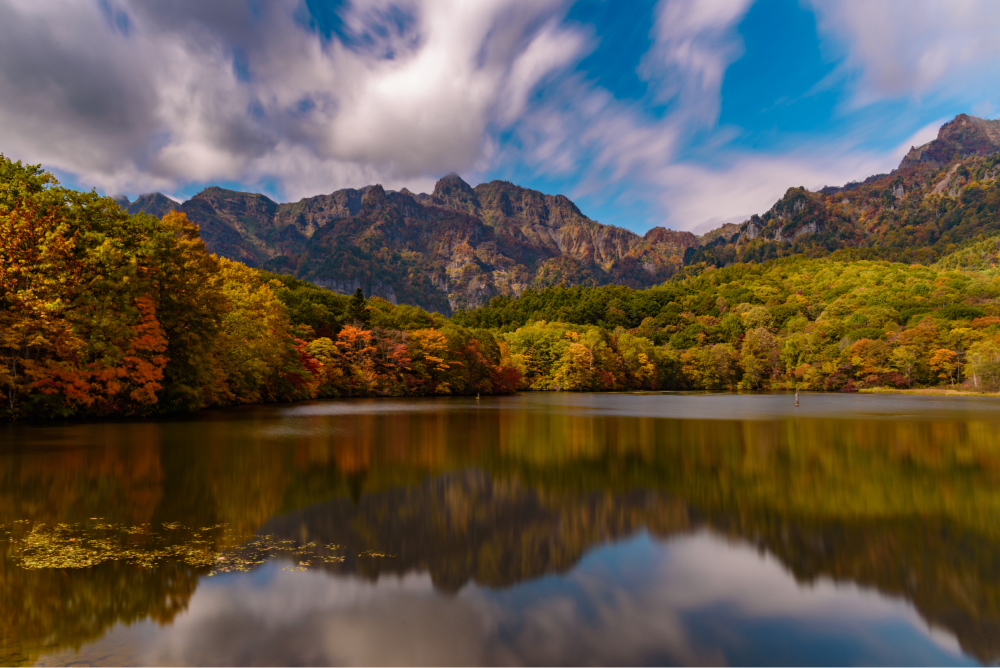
466 526
52 477
502 496
46 610
908 507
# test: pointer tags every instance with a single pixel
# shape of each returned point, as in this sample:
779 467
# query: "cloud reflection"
636 602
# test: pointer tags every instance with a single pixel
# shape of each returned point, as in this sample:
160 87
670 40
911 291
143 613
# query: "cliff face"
455 248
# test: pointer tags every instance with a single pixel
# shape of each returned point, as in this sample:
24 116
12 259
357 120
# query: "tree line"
106 313
793 323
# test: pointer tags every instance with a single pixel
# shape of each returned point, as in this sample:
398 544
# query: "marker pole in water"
796 398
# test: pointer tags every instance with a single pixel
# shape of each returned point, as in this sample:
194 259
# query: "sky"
678 113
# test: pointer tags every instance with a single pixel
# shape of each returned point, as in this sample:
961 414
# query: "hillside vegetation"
793 323
106 313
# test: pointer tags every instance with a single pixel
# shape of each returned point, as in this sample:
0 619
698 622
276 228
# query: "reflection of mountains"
498 532
952 578
466 526
500 497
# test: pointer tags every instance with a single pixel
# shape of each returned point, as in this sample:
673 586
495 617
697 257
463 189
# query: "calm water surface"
534 529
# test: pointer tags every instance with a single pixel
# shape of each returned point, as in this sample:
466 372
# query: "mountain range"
460 246
455 248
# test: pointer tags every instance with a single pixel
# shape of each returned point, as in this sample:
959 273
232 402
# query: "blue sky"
683 113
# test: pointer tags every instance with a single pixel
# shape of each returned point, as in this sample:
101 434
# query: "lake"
542 528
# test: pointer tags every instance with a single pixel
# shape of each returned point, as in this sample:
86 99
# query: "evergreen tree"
356 310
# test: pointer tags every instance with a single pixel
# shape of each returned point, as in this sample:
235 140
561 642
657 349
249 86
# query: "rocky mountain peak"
962 137
373 195
155 204
457 248
453 192
451 181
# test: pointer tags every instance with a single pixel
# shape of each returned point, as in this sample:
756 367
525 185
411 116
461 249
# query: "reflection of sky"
692 600
758 406
693 405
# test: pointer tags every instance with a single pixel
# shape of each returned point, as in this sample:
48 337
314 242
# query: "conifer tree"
356 311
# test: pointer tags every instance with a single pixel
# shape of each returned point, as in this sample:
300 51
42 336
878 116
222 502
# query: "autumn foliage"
793 323
103 313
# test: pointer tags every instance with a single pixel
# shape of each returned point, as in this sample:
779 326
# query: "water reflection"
694 600
878 532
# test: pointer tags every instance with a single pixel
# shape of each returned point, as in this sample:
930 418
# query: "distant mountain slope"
944 193
155 204
964 137
455 248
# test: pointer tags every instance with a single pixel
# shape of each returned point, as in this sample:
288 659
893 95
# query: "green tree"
357 312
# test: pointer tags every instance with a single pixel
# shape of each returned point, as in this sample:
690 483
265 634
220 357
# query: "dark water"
537 529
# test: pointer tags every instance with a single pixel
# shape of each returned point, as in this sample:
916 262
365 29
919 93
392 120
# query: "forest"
792 323
105 313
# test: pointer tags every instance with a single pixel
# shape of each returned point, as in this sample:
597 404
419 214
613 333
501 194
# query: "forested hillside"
106 313
816 324
103 312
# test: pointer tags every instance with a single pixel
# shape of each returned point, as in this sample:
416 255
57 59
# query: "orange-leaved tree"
78 330
357 350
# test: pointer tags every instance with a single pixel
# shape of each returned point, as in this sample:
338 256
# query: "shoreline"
206 413
930 391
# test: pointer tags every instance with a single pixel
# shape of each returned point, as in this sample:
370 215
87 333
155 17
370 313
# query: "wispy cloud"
135 95
701 198
131 96
912 48
694 42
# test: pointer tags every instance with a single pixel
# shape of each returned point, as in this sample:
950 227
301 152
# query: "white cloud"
913 47
617 144
904 48
151 95
694 41
131 96
162 102
702 198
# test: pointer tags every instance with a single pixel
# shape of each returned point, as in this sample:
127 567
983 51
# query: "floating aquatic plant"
370 553
67 545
